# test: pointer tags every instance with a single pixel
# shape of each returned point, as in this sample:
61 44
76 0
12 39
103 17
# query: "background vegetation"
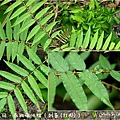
30 30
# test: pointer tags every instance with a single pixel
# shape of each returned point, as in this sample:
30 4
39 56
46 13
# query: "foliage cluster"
93 15
72 72
27 26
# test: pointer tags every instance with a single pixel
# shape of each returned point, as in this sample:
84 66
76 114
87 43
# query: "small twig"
111 85
94 71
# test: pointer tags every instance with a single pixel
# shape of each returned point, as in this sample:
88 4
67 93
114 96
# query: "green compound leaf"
11 106
40 34
10 76
76 61
17 69
74 89
46 18
21 100
104 62
115 75
47 43
96 86
58 62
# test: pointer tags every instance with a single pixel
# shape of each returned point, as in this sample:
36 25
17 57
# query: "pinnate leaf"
2 103
17 69
11 106
104 62
96 86
11 76
33 56
6 85
21 100
35 86
29 93
52 89
74 89
3 94
41 78
26 62
58 62
115 75
76 61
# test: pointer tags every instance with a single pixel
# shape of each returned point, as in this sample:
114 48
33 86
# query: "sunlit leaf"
72 38
29 93
79 39
2 33
11 106
2 48
117 46
26 62
105 46
33 56
11 76
6 85
3 94
21 100
9 50
86 39
17 69
14 5
35 87
2 103
100 41
94 40
9 30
